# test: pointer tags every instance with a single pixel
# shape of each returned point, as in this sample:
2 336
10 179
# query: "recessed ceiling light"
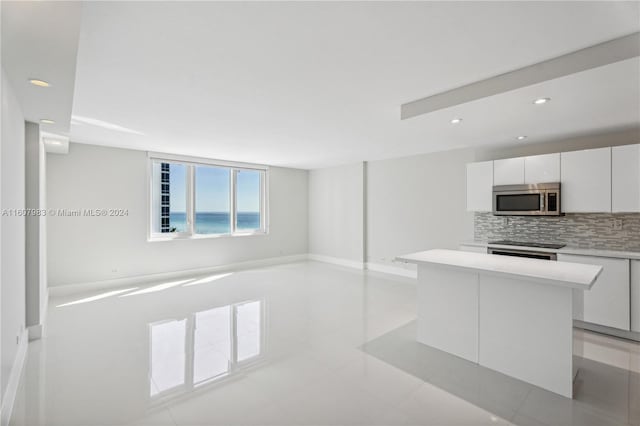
39 83
55 142
456 120
47 121
520 138
541 101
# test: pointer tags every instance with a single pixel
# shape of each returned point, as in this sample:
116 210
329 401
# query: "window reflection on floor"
167 355
212 344
248 330
204 347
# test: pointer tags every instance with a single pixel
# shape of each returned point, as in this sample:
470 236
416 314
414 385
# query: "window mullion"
234 335
233 201
190 351
263 202
190 199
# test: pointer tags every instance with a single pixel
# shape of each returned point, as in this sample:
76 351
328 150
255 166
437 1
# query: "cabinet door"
542 168
625 178
479 186
635 295
509 171
607 303
586 181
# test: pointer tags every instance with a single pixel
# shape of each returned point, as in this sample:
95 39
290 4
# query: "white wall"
89 249
12 196
36 282
412 203
42 243
336 210
416 203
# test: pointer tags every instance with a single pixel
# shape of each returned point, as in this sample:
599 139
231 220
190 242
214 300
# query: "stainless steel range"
523 249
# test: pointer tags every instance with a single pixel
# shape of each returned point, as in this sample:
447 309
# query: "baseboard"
376 267
71 289
623 334
35 332
394 270
11 392
336 261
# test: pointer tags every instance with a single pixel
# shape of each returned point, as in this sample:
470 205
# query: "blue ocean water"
216 222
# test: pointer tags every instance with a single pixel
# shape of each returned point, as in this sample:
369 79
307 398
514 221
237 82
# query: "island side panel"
526 331
448 310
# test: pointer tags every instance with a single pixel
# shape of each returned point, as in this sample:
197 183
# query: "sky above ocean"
212 189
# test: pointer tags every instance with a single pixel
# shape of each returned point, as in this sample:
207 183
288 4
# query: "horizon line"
214 212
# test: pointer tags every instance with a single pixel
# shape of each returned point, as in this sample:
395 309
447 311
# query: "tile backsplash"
583 230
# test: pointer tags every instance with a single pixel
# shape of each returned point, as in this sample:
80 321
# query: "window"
192 198
169 197
213 200
247 200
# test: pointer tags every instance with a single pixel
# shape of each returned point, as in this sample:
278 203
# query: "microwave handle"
544 195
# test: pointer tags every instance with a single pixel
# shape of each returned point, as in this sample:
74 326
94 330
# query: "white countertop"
573 275
622 254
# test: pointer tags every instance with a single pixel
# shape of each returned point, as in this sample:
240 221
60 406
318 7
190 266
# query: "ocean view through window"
190 198
247 204
213 200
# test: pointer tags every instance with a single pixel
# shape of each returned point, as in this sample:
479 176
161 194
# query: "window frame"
190 164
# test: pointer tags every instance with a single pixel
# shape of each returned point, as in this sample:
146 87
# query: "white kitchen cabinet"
509 171
625 178
635 295
479 186
586 181
542 168
474 249
607 303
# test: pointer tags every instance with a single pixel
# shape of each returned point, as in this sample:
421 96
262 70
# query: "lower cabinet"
635 295
608 301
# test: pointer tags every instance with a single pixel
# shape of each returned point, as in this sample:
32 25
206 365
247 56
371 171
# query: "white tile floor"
280 345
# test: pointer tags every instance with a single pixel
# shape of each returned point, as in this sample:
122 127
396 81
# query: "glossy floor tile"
299 344
604 394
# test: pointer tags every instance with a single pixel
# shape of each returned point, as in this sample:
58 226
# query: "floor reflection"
204 347
168 356
604 394
212 344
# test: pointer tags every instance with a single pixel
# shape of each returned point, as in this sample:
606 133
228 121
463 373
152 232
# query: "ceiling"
316 84
40 40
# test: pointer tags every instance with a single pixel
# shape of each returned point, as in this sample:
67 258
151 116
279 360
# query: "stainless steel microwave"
542 199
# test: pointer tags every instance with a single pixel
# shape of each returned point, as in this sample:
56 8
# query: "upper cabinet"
479 186
599 180
509 171
533 169
625 178
542 168
586 181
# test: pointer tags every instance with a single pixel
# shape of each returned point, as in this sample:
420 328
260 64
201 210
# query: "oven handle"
523 253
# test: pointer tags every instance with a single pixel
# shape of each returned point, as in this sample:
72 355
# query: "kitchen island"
510 314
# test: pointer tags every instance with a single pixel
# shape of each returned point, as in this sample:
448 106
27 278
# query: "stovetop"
528 244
